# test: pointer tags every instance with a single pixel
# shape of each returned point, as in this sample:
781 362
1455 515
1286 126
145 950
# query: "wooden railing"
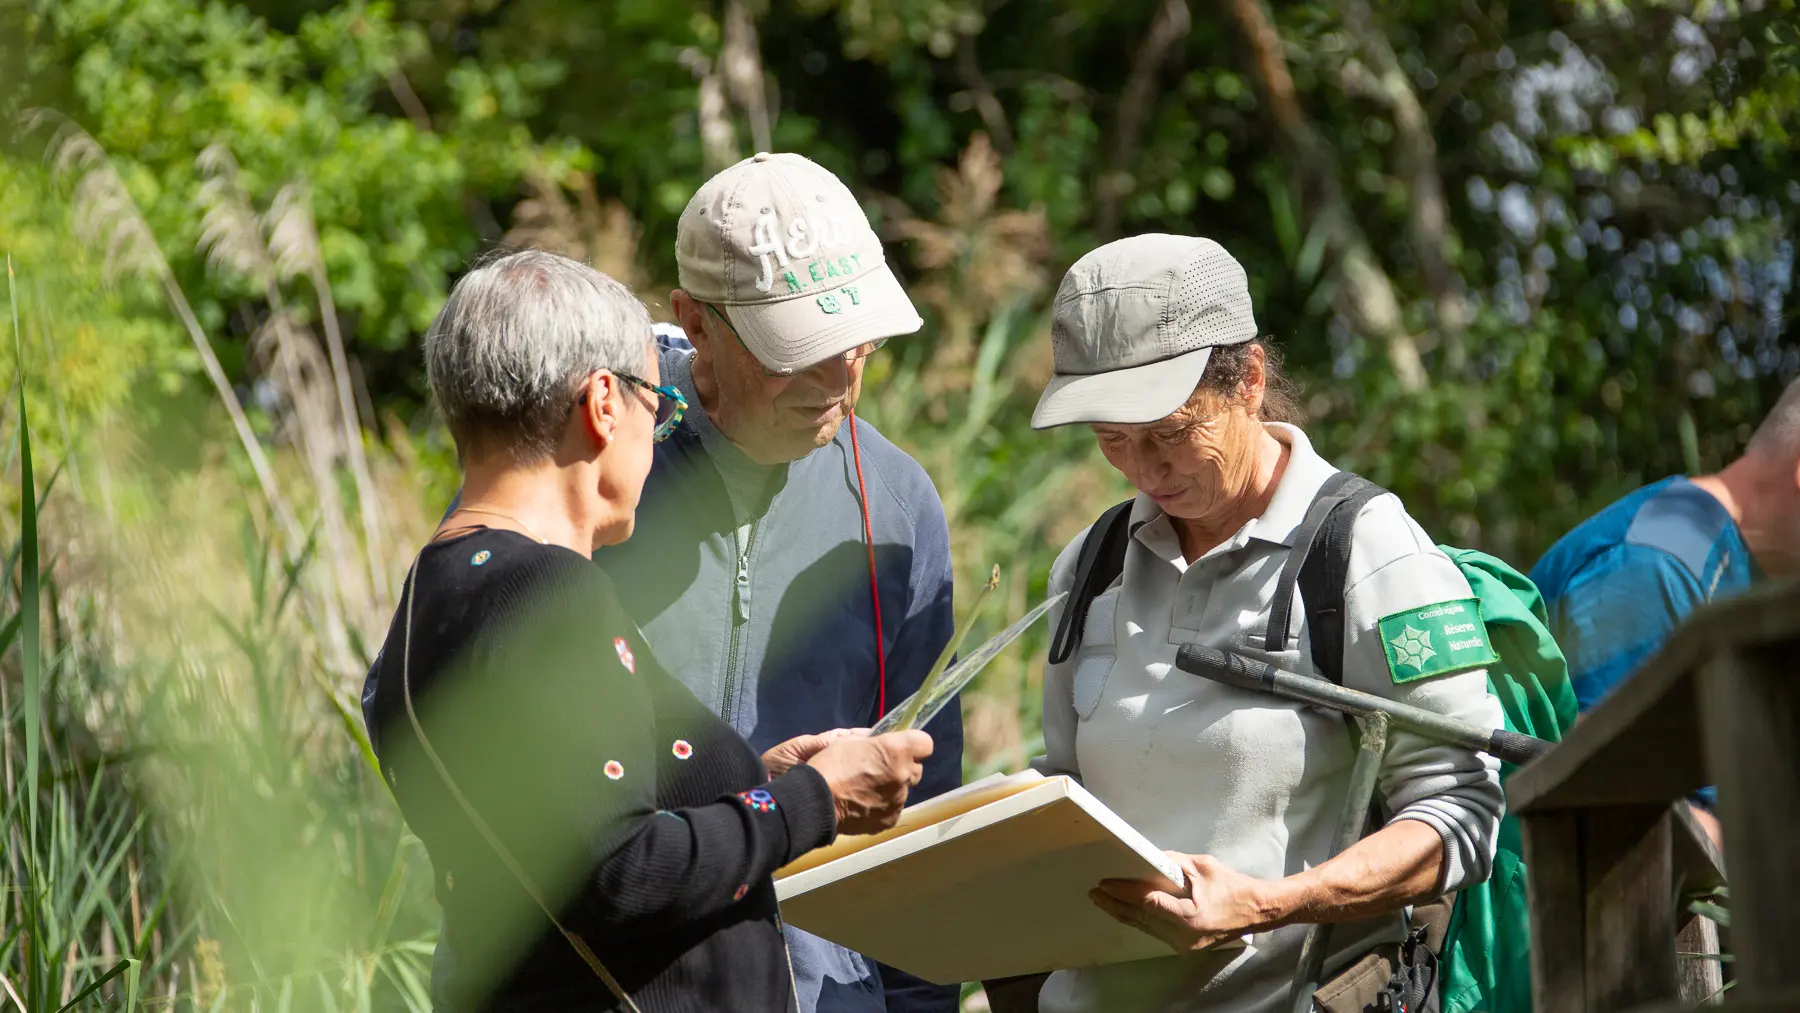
1612 851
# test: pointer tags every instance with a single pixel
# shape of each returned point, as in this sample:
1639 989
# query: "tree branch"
740 64
1365 293
1428 221
480 215
403 93
1272 70
987 105
1167 29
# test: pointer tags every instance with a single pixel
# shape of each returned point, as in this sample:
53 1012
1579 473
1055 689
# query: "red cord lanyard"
862 492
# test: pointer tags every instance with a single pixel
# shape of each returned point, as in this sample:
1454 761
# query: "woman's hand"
1397 865
869 776
801 748
1221 903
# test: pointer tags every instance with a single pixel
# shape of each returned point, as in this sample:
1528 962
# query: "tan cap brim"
1129 396
795 334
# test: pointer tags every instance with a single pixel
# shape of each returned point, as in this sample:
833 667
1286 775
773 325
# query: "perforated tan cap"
781 246
1134 325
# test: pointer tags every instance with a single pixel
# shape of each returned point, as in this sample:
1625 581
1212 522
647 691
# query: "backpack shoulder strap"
1318 564
1101 561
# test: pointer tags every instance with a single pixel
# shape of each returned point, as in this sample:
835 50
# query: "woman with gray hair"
598 838
1157 353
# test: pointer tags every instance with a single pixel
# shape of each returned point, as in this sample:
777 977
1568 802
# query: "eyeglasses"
861 351
670 405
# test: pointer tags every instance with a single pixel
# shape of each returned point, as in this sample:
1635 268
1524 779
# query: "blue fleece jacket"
766 615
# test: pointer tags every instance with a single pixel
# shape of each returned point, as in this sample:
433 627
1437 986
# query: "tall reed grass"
192 817
191 821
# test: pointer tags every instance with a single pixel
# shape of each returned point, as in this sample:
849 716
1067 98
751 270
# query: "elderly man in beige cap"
789 561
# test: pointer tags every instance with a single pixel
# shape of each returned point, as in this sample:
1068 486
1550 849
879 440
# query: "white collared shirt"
1253 780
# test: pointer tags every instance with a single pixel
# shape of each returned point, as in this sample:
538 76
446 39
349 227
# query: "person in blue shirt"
1623 580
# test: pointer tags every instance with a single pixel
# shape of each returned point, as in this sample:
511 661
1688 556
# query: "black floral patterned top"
646 823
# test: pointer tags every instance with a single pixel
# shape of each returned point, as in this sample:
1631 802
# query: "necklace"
497 513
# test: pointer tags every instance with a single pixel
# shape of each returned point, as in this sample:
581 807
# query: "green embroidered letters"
823 269
1435 640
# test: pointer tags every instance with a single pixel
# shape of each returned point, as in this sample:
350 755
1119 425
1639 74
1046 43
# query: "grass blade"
12 992
1707 909
131 985
117 969
352 722
31 648
389 905
9 631
917 700
923 706
28 580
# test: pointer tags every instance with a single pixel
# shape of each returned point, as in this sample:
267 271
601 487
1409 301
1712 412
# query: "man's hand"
869 776
1221 903
784 757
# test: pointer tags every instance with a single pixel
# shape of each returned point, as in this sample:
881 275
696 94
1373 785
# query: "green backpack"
1485 962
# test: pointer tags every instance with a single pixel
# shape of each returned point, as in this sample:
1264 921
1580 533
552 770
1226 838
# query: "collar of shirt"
1306 472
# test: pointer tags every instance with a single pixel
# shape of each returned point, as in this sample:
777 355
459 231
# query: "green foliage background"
1521 256
1619 183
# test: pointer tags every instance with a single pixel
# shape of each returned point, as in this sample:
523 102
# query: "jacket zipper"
740 615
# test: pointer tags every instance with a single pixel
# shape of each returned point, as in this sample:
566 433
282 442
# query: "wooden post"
1628 868
1609 860
1602 905
1702 980
1558 911
1750 710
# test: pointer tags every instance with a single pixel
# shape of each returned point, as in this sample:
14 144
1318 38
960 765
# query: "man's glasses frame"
861 351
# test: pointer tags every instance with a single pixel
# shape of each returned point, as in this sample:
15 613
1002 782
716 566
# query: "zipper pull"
741 594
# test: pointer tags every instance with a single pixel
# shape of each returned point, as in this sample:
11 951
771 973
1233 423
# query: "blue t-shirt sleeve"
1617 611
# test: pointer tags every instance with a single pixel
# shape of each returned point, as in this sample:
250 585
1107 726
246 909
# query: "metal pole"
1373 727
1236 670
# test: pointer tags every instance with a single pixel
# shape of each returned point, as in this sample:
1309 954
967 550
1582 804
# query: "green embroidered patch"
1435 640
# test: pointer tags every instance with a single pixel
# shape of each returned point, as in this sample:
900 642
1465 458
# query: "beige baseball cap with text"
781 246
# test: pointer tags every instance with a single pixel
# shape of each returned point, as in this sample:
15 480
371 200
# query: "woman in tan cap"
1157 352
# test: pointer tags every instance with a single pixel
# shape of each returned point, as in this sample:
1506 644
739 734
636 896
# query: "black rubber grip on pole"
1516 749
1230 669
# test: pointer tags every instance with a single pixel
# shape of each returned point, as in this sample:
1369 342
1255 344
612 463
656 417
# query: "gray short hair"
1778 435
507 354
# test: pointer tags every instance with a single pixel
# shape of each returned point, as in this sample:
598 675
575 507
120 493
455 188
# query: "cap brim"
1128 396
795 334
